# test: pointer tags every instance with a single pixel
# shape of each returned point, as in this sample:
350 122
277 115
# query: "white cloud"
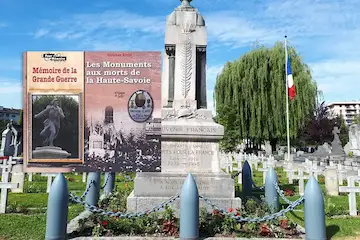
96 24
337 78
10 86
319 29
229 28
11 93
41 33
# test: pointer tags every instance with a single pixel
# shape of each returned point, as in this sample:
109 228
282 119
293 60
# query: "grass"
31 225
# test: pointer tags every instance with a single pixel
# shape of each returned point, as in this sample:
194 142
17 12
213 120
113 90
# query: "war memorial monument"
189 136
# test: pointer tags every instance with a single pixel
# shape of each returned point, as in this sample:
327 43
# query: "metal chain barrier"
281 194
236 175
86 190
95 209
106 181
255 219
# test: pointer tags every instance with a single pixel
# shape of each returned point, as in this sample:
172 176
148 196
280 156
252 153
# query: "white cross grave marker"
30 175
290 170
301 177
255 161
341 173
5 185
315 171
84 177
239 168
352 190
271 162
264 170
49 181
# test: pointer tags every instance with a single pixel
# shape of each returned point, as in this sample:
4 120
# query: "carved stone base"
50 153
151 189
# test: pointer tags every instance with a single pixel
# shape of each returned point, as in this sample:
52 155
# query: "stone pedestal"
50 153
187 145
18 176
151 189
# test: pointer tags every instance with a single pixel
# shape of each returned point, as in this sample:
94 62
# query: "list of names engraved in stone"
166 184
186 154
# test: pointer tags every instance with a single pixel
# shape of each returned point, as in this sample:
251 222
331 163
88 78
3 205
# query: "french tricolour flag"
290 81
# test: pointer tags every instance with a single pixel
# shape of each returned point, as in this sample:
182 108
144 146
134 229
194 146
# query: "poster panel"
53 109
119 114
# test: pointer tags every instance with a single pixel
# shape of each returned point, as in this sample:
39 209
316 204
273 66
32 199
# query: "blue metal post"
315 227
92 197
110 183
246 180
57 209
271 195
189 209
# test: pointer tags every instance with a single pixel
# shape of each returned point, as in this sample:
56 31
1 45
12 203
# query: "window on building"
13 116
109 115
7 115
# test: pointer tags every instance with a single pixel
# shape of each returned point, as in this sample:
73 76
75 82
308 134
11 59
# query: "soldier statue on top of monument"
51 128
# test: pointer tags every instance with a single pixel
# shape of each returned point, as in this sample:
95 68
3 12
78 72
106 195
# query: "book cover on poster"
119 109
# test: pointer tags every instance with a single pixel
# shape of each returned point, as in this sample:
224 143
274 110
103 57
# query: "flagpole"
287 100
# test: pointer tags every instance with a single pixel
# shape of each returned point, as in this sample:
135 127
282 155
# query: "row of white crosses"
313 168
226 161
294 171
5 185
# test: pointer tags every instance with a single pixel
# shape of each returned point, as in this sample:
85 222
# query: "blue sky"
325 33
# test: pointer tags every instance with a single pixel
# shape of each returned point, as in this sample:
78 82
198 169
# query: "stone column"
170 51
201 77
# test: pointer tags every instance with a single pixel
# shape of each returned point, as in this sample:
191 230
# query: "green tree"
68 138
251 99
356 120
21 117
319 126
3 124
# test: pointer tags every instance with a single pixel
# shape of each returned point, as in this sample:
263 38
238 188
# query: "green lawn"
30 223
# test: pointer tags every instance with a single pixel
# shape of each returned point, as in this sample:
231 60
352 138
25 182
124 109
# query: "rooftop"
345 103
9 110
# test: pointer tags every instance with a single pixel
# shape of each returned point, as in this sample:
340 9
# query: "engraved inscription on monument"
187 155
196 130
176 184
207 186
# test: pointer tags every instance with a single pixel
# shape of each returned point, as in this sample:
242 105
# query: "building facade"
347 110
10 114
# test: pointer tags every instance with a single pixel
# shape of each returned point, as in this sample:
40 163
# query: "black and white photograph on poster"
140 106
55 128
